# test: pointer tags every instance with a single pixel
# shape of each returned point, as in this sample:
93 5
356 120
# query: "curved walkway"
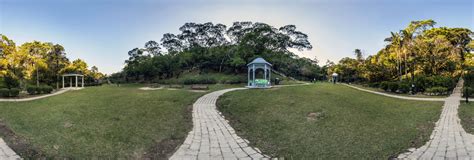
6 152
448 139
212 137
396 96
34 98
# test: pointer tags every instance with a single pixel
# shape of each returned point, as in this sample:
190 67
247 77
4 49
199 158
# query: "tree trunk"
37 77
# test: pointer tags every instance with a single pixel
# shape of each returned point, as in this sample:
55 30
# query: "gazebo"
252 67
76 77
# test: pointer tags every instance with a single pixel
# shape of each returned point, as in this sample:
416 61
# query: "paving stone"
6 152
448 139
212 137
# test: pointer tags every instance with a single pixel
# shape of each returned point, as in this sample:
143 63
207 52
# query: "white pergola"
70 79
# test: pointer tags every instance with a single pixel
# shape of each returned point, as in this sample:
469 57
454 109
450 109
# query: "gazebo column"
248 76
82 82
265 72
253 75
270 75
76 81
70 82
63 81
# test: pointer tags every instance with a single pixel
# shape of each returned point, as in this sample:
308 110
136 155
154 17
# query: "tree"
153 48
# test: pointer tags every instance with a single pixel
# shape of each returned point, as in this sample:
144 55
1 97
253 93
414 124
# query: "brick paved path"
448 140
212 137
6 153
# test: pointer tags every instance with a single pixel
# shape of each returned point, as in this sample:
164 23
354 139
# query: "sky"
101 32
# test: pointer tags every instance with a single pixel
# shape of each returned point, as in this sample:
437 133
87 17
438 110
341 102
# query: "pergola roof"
72 74
259 61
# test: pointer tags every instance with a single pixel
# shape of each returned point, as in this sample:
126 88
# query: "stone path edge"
396 96
34 98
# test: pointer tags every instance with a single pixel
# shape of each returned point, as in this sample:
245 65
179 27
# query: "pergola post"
253 75
248 76
265 71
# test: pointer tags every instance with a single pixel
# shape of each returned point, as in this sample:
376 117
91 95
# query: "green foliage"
4 92
13 92
204 48
32 90
393 86
199 80
46 89
385 85
437 90
404 88
11 82
467 91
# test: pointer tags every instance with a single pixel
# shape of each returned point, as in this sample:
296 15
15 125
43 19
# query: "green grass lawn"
106 122
348 124
466 114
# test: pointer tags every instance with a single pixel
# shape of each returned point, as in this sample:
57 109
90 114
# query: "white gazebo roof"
72 74
259 61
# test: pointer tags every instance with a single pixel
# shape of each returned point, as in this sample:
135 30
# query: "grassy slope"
353 124
466 114
108 121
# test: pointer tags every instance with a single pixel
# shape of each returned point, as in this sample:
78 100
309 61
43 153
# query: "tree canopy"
212 47
39 62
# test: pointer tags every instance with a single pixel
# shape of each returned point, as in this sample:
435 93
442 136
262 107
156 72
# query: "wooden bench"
199 87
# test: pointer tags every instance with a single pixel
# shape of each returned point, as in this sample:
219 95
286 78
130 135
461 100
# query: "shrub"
437 90
467 91
46 89
32 90
234 80
11 82
14 92
393 86
374 85
384 85
4 92
199 80
404 88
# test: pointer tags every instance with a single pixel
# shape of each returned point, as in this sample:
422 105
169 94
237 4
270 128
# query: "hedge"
13 92
38 90
437 90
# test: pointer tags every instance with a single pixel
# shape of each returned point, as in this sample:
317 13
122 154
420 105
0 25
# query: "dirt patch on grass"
165 148
19 144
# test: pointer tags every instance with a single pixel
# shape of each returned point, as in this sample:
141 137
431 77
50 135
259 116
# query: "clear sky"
102 31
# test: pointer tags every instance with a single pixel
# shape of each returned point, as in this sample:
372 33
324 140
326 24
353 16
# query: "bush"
11 82
393 86
199 80
404 88
437 90
32 90
14 92
374 85
4 92
467 91
234 80
46 89
384 85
